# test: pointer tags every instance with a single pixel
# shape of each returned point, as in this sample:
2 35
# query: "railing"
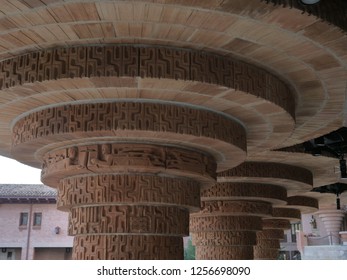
330 239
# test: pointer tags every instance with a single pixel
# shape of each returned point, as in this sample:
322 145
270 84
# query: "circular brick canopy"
234 208
245 191
274 223
289 176
53 128
270 233
304 203
292 214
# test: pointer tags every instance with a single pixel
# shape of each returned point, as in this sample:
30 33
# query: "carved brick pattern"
128 189
110 158
270 233
164 63
89 247
210 68
276 224
154 62
261 253
99 61
270 170
127 247
121 61
224 238
235 207
224 252
303 201
19 70
268 243
124 219
243 75
289 213
220 232
225 223
228 189
113 117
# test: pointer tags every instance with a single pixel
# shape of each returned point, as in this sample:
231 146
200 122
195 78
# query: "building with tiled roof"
31 193
31 227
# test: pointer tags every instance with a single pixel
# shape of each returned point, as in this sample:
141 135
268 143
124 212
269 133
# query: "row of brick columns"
135 200
129 170
230 218
268 240
245 214
237 221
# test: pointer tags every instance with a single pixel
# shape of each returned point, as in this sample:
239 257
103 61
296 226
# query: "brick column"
268 240
121 213
129 173
230 218
268 243
249 185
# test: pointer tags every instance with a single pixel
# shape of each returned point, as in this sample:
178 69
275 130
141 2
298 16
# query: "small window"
37 219
23 219
294 228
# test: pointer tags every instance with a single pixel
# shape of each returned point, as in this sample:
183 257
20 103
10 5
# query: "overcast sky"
13 172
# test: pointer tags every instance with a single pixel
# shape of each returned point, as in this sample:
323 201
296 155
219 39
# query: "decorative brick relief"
270 170
126 219
289 213
235 190
304 201
276 224
270 233
95 119
128 189
224 252
234 208
261 253
268 243
230 218
127 247
224 238
225 223
146 62
122 158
